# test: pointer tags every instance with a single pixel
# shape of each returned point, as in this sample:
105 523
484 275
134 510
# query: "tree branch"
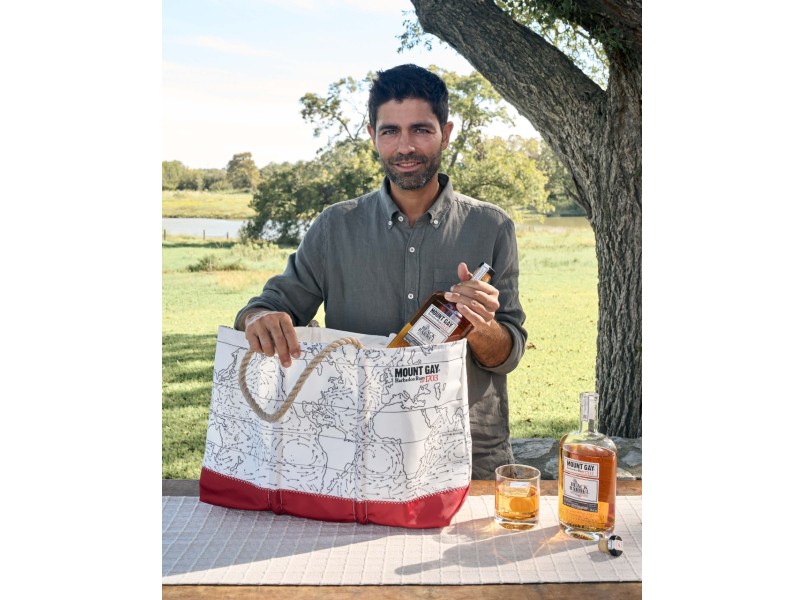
568 103
621 16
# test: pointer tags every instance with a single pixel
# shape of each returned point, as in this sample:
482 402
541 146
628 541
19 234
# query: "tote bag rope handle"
300 381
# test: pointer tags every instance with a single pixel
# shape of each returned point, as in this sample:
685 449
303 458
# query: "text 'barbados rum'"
437 320
587 477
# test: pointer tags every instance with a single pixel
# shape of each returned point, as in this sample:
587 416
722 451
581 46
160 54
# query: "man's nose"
406 146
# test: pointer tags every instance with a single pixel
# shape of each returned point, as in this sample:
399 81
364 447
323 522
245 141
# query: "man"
373 260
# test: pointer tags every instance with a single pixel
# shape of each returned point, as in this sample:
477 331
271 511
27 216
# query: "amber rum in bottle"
437 321
587 477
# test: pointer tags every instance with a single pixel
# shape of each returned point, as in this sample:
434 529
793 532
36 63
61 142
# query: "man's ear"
446 131
371 135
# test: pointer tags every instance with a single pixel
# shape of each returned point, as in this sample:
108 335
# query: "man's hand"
478 302
271 332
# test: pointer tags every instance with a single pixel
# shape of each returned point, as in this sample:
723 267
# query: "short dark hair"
408 81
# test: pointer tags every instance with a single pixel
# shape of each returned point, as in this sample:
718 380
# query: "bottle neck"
483 273
589 402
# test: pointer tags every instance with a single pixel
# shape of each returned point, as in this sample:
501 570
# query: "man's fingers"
285 342
267 345
472 295
253 340
273 333
478 297
475 315
475 308
463 272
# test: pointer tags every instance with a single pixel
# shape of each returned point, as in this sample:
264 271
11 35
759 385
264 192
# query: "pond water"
221 228
211 228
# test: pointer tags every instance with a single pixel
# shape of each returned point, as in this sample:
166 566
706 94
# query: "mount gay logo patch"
422 373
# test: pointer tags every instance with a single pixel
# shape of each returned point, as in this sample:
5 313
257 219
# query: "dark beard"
413 181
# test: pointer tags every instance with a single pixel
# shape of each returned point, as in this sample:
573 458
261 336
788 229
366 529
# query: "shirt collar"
436 213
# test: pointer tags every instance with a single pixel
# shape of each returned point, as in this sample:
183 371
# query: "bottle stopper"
611 545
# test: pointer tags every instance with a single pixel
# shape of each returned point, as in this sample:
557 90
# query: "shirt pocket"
445 277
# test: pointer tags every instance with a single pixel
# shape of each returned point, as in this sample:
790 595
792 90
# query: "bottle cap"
483 273
611 545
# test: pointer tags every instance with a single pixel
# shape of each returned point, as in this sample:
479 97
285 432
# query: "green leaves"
342 113
242 171
560 22
505 173
290 195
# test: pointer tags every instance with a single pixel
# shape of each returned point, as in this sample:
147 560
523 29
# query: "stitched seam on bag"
354 501
250 483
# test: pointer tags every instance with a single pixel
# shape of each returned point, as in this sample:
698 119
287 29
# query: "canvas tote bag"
370 434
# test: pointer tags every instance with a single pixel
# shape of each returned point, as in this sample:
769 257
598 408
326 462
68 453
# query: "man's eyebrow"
427 124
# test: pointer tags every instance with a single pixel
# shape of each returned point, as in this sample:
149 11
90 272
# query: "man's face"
409 141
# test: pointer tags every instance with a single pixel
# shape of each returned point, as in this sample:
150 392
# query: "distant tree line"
517 174
241 173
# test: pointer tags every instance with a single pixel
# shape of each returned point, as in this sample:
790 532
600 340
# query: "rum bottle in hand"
437 320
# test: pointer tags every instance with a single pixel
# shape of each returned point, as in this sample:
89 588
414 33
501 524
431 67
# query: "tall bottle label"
433 327
581 484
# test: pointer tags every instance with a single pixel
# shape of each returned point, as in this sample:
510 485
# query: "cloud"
227 46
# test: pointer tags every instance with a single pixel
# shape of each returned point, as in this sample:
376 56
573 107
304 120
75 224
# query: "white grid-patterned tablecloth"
205 544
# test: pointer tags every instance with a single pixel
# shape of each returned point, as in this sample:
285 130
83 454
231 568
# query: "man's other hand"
271 332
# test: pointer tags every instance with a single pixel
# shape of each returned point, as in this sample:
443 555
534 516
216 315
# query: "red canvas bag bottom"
436 510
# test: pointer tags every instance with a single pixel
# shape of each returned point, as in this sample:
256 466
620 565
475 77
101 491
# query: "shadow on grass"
187 369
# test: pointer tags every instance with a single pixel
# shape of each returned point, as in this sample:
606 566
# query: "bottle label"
581 468
580 491
482 270
588 406
433 327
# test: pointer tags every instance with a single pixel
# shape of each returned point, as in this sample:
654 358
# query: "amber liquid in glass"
516 504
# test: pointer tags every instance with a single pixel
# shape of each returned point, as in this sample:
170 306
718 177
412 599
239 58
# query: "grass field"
558 289
210 205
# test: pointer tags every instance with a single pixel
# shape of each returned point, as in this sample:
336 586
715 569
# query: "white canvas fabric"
375 424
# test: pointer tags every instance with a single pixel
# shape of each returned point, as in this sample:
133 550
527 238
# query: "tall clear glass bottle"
587 477
437 320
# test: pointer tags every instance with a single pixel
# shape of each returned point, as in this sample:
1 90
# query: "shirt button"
411 249
411 296
436 221
400 218
389 223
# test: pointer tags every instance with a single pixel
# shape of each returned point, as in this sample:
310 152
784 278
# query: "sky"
233 71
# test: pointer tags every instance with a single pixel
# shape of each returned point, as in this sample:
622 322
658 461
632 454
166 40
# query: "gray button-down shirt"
372 271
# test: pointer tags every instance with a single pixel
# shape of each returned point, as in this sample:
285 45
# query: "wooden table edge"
608 590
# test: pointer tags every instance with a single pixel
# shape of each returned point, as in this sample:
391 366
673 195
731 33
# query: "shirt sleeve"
505 264
299 290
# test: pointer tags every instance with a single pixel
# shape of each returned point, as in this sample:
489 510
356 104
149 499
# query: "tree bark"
596 133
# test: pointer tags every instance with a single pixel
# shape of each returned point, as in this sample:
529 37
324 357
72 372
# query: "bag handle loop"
271 418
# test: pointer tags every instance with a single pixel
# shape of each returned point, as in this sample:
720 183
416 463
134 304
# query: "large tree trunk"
597 135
